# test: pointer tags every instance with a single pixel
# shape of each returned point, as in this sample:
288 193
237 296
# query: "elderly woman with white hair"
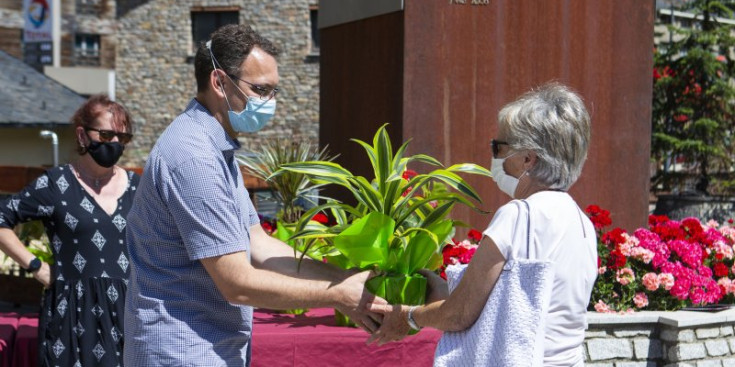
538 154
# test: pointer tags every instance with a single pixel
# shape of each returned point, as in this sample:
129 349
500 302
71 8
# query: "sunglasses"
495 144
108 135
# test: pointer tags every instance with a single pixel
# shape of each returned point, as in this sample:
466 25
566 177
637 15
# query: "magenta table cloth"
312 339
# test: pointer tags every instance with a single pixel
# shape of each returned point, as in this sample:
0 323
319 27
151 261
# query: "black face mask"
105 154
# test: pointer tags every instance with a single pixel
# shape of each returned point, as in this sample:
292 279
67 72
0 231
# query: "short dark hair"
231 44
93 109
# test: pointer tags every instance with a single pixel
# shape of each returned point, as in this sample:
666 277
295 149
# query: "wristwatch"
34 265
411 322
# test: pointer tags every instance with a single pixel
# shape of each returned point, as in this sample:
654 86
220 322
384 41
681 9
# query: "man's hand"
437 287
43 275
355 298
395 325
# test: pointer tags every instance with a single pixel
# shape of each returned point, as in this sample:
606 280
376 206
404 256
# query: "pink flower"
726 285
601 307
651 281
642 254
723 250
640 300
712 223
624 276
601 270
666 280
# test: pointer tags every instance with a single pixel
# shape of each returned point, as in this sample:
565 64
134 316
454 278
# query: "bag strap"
514 254
528 229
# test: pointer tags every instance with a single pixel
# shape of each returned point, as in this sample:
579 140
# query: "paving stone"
646 349
673 335
717 347
687 352
709 363
602 349
635 364
706 333
631 333
726 330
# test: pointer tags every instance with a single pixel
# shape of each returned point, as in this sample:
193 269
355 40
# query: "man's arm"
273 281
270 253
240 282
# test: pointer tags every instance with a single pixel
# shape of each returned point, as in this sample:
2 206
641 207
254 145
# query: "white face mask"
506 183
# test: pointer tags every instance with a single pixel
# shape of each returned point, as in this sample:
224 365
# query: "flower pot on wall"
702 207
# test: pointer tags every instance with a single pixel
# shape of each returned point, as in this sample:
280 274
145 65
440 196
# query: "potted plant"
399 222
693 111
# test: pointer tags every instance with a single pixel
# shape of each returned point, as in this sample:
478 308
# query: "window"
204 22
314 16
87 50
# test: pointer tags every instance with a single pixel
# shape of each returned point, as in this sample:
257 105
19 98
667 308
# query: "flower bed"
667 266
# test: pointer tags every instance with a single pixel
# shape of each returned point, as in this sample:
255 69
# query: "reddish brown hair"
93 108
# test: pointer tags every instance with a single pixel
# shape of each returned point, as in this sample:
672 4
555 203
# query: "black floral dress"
81 319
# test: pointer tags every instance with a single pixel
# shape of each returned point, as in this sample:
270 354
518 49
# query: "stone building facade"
155 71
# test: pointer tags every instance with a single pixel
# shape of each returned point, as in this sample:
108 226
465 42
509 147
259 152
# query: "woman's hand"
43 275
395 325
437 287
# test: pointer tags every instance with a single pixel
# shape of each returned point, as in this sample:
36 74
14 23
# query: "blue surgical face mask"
257 112
254 117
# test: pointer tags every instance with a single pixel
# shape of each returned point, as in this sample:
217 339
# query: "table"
18 339
312 339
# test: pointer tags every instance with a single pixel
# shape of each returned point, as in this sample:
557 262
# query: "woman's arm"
11 246
457 312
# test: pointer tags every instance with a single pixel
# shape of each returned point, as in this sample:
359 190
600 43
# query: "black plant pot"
703 207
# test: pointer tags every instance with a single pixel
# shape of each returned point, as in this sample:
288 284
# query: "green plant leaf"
456 182
425 159
470 168
365 242
322 171
366 194
372 155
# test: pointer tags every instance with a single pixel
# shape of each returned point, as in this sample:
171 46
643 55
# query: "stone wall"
668 339
155 73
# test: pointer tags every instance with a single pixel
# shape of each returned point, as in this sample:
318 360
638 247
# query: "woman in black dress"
83 206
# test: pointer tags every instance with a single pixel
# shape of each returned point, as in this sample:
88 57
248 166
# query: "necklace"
96 181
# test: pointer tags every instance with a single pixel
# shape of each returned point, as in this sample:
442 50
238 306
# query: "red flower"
681 118
321 218
409 174
720 270
599 217
267 227
474 235
657 219
616 261
614 237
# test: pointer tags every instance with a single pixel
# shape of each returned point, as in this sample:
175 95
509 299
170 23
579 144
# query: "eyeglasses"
108 135
265 93
495 144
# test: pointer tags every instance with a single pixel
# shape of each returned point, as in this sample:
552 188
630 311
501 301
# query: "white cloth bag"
510 329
